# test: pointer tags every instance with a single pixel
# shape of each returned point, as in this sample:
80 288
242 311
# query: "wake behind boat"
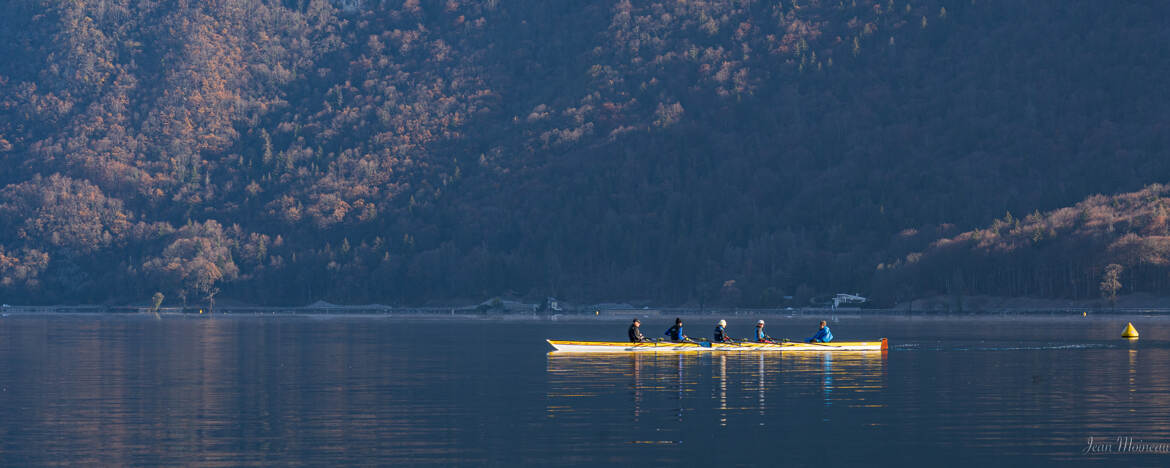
669 346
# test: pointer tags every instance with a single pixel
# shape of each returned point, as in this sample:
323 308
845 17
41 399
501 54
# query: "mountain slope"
680 151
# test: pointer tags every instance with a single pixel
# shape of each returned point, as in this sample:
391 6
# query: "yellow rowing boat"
667 346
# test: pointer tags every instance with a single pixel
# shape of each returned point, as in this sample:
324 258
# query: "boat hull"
669 347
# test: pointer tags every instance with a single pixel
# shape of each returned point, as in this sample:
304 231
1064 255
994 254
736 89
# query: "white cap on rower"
761 322
723 323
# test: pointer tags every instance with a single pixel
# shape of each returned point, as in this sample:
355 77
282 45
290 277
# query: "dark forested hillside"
412 151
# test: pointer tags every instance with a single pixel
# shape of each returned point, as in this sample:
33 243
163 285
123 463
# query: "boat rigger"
668 346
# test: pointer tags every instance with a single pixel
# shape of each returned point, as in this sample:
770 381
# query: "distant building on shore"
847 299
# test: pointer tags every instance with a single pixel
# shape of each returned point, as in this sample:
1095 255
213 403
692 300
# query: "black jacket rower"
636 333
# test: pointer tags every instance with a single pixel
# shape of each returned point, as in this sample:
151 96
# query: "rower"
762 337
721 332
823 335
636 333
675 333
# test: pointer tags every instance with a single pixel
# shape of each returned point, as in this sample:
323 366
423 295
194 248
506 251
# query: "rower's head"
759 324
678 321
823 323
723 323
637 322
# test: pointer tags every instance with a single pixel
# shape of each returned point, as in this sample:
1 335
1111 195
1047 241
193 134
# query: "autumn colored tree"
196 261
1111 282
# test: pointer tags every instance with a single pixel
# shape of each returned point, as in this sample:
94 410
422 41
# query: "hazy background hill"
730 152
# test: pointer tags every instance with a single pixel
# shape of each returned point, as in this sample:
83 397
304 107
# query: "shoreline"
941 307
881 314
950 306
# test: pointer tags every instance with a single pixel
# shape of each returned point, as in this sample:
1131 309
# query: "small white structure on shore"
843 298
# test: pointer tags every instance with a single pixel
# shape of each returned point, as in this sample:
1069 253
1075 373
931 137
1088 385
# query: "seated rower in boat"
675 333
762 337
636 333
721 335
824 335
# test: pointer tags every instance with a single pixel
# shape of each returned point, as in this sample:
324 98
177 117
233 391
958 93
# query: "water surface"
231 391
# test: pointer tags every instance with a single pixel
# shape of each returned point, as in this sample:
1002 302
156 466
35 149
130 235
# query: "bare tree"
1110 282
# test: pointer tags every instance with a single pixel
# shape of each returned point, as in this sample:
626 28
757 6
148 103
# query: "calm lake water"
319 391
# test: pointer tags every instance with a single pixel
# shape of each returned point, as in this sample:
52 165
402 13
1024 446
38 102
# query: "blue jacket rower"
823 335
675 333
762 337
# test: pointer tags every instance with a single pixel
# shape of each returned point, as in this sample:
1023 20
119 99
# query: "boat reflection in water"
730 387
